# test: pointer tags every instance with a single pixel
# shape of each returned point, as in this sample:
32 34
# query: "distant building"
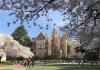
41 46
64 45
52 46
49 47
55 43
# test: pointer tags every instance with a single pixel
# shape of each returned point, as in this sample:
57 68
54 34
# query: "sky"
33 31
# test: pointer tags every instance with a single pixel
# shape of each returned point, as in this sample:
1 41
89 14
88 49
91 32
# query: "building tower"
54 40
64 45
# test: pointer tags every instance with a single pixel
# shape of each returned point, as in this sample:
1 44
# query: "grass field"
42 66
66 67
5 63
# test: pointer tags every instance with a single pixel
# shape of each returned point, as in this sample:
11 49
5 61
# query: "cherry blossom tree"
12 48
84 18
82 15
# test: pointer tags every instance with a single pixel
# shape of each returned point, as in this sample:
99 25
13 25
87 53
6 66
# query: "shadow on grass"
65 67
80 67
75 66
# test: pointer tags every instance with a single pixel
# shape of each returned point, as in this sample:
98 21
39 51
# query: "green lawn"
5 63
66 67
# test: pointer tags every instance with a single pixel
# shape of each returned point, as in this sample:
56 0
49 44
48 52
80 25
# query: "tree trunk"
0 59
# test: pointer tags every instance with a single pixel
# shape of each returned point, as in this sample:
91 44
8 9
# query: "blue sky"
32 31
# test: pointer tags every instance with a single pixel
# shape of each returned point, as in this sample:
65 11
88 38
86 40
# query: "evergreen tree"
21 36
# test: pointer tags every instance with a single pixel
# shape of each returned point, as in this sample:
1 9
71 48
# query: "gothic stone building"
42 46
52 46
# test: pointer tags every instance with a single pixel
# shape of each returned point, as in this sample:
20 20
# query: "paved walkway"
18 67
13 67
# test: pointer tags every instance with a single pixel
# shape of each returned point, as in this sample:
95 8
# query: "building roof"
41 36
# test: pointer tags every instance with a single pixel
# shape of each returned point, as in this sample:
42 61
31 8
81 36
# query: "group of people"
27 62
79 58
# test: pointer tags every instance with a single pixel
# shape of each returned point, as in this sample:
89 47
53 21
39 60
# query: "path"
14 67
18 67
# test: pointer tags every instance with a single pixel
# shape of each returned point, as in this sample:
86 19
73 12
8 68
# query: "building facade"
52 46
64 45
41 50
